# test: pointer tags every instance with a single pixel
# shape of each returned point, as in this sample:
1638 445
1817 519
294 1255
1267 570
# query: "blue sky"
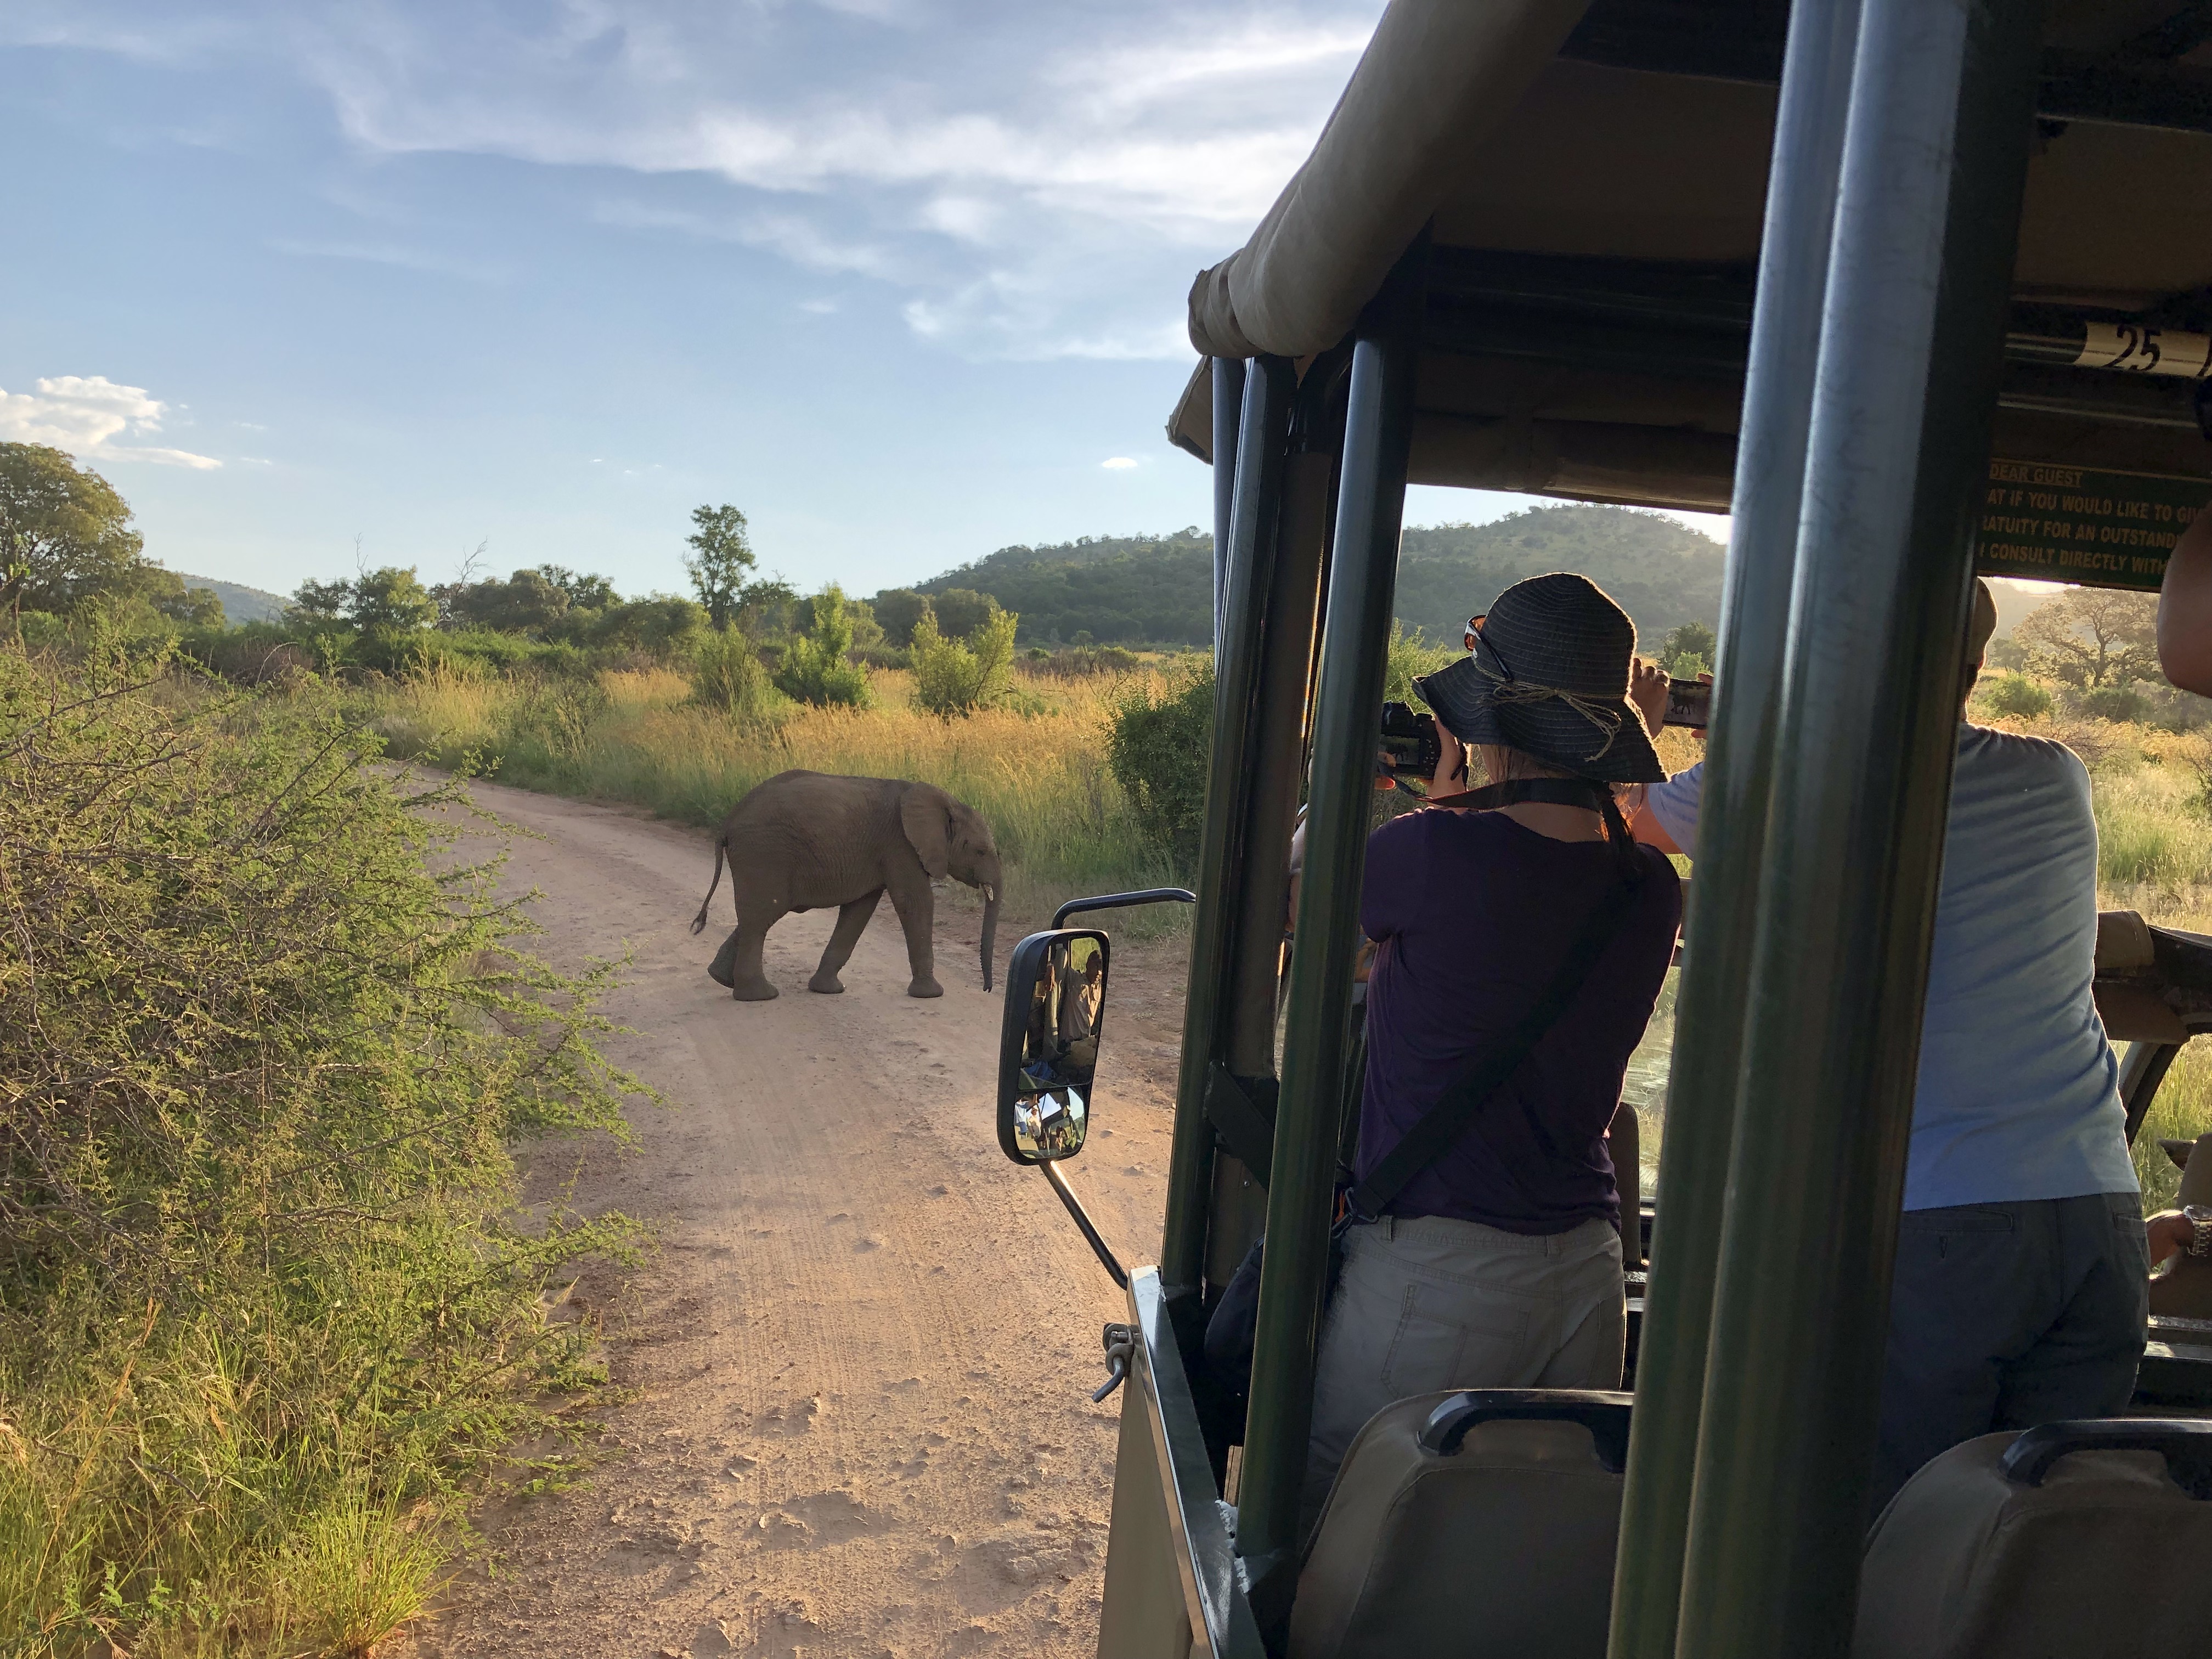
903 279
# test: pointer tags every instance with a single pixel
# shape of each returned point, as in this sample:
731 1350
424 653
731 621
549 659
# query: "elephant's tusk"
990 894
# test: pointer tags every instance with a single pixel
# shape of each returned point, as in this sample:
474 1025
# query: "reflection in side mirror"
1048 1043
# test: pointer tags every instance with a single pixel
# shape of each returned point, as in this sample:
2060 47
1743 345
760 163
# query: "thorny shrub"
264 1045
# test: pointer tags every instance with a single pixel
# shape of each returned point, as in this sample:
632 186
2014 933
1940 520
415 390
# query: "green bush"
264 1310
1159 749
1411 655
2015 694
950 678
2113 702
815 667
664 627
1688 651
1079 662
728 675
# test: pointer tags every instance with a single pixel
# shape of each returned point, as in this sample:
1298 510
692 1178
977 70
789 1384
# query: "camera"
1410 740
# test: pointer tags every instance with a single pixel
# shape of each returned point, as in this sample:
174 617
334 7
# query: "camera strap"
1455 1112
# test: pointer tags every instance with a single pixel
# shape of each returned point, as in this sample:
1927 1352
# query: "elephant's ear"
926 815
975 828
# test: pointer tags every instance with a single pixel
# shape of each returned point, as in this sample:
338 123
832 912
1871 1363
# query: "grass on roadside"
266 1309
1037 772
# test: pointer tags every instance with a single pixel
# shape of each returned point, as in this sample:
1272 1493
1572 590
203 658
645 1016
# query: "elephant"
803 841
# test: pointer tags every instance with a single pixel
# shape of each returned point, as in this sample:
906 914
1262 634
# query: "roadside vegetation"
268 1312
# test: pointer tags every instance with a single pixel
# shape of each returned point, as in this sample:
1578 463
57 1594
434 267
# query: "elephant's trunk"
990 928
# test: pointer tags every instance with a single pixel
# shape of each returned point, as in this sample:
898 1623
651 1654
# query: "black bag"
1230 1330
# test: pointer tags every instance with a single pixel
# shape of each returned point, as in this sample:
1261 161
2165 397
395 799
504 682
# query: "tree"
64 533
767 607
898 609
391 601
165 590
527 602
326 603
585 591
961 610
2091 637
721 558
1688 651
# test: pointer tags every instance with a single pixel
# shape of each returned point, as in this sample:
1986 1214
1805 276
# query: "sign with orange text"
2076 523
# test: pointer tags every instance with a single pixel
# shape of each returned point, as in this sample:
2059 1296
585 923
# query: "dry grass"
1036 770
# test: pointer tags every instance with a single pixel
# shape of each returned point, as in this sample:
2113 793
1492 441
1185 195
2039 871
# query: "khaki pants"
1431 1304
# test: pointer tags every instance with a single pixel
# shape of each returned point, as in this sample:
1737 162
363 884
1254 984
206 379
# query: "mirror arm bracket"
1121 901
1121 1274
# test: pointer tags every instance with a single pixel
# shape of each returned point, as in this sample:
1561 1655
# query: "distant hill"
1659 570
1152 590
1159 589
240 604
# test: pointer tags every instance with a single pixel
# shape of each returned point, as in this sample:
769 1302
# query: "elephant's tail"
699 921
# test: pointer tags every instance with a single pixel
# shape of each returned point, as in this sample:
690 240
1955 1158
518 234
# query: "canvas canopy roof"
1618 151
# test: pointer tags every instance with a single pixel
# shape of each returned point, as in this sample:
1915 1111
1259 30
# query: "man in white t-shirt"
2020 1295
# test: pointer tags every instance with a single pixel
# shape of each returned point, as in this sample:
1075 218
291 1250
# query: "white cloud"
1118 462
1029 182
84 414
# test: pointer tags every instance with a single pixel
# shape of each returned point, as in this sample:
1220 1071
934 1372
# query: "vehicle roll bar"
1363 577
1927 218
1705 1076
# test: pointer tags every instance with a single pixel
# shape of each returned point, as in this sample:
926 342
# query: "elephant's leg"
737 964
917 913
852 919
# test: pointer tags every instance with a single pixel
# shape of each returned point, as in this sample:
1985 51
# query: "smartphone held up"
1689 702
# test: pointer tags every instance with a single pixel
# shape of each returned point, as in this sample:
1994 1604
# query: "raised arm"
2185 609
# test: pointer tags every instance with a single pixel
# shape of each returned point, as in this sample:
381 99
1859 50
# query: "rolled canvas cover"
1434 80
1464 117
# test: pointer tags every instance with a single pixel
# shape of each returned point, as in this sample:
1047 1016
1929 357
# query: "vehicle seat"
1478 1524
2071 1539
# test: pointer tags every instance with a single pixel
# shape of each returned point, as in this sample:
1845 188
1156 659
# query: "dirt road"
857 1362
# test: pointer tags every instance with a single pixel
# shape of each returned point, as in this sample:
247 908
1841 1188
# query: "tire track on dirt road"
862 1353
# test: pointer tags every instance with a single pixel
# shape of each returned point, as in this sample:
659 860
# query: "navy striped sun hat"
1549 676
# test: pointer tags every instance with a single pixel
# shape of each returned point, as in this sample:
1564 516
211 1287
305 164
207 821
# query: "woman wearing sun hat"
1517 918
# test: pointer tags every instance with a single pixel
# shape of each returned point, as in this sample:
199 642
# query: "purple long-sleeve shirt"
1474 915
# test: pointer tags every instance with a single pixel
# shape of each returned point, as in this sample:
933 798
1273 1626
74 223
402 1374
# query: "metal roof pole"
1261 451
1927 217
1228 412
1362 575
1709 1042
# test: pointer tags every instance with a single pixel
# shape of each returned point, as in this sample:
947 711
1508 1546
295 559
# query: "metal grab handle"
1121 901
2186 1446
1121 1350
1603 1413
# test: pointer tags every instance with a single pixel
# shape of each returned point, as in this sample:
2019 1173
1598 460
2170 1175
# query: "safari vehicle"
1910 287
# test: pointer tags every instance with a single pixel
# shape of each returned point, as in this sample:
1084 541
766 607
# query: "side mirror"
1048 1043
